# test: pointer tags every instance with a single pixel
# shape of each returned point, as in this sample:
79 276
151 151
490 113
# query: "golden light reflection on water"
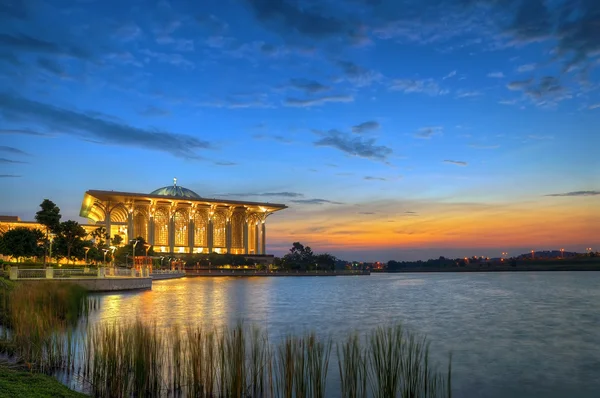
213 302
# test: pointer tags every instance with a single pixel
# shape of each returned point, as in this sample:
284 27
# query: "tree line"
66 239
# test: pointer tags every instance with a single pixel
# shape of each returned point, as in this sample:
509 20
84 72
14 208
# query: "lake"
525 334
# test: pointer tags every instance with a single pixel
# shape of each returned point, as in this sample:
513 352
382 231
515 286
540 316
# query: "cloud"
526 68
352 145
422 86
370 178
576 193
267 194
306 103
225 164
547 92
428 132
10 161
128 31
85 126
287 18
365 127
278 138
496 75
468 94
154 111
309 86
315 202
22 132
367 212
12 150
456 162
594 106
22 42
50 66
357 74
240 101
169 58
449 75
9 176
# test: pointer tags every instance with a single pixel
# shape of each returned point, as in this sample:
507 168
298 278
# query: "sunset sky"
392 129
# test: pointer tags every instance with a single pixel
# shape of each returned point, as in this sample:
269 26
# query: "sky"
392 129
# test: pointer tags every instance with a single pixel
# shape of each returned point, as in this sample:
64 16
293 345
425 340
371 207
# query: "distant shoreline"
496 268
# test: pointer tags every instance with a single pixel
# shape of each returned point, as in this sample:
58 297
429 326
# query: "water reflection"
511 334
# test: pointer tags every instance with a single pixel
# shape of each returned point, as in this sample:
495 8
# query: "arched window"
219 230
252 243
161 228
181 227
237 231
140 223
201 229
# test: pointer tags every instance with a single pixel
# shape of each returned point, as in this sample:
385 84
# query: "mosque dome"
177 191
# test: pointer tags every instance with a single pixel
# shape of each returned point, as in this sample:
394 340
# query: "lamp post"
86 249
112 254
105 251
51 236
562 253
533 254
134 242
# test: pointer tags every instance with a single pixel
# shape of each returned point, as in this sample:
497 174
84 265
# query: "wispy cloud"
526 68
428 132
225 163
371 178
309 86
9 176
315 202
449 75
576 193
154 111
12 150
306 103
423 86
594 106
468 94
547 92
353 145
358 75
22 131
483 146
365 126
496 75
10 161
456 162
267 194
80 124
278 138
169 58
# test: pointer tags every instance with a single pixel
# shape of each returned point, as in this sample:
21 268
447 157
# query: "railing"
60 273
168 271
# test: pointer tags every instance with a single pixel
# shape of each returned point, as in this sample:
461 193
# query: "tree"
126 251
71 234
49 217
117 240
325 261
99 235
299 257
22 242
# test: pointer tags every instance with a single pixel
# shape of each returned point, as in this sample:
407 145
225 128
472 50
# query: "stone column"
263 239
256 241
228 235
191 232
209 235
151 231
130 231
107 221
171 234
246 237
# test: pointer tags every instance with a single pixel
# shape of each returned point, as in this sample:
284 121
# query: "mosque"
175 220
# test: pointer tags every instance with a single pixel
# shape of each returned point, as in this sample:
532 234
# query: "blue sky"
385 125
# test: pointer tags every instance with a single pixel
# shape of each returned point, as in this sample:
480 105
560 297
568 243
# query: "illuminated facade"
10 222
175 220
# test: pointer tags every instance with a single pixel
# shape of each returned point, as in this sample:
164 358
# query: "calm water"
511 334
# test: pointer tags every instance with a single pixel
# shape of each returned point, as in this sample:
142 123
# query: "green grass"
19 383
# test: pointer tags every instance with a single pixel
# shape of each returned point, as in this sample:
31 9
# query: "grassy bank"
19 383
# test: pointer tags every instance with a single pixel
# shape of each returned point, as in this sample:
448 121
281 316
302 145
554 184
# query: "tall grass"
138 359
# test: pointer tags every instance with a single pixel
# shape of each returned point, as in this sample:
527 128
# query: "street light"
51 236
134 242
87 249
533 254
562 253
105 251
112 254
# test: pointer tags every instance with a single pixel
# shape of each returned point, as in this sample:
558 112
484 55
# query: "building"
176 220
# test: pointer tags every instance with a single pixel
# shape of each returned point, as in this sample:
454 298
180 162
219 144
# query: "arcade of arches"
177 220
